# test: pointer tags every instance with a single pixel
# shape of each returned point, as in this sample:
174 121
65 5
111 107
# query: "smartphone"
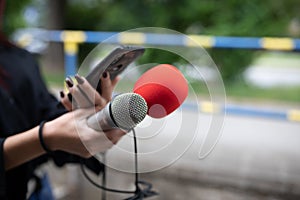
114 63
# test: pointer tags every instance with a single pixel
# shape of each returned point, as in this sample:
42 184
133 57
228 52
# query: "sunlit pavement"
255 158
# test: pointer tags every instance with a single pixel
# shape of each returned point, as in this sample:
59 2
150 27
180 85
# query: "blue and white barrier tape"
208 107
206 41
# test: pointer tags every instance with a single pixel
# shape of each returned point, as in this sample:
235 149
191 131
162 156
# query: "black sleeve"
49 108
24 104
47 104
2 171
60 158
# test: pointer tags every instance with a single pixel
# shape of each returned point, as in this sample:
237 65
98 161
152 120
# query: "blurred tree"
212 17
13 15
54 58
14 18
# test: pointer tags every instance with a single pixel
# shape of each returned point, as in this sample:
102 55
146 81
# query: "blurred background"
258 154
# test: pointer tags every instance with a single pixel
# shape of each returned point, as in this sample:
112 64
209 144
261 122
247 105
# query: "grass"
242 90
54 79
238 90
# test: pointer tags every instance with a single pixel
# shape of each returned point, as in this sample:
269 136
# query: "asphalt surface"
255 158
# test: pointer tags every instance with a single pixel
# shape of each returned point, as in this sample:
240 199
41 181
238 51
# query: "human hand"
83 95
88 141
70 133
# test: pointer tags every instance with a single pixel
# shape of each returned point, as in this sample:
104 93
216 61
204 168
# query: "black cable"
104 176
138 193
135 161
100 186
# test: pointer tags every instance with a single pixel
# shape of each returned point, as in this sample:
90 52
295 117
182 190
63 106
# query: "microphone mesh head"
128 110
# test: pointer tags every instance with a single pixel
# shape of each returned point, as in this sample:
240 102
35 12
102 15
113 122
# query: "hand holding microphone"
125 111
158 92
76 135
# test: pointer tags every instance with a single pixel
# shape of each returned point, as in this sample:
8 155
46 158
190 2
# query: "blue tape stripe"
96 37
237 42
238 110
55 36
296 44
164 39
174 40
241 110
190 106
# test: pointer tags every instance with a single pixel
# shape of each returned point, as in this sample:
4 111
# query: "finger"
79 95
89 93
115 81
115 135
106 86
65 101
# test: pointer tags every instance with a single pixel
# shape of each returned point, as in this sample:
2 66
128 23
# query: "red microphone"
164 88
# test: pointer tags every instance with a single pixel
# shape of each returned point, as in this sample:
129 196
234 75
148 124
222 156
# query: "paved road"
255 158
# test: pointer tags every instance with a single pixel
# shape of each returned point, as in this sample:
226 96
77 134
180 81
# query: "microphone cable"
139 192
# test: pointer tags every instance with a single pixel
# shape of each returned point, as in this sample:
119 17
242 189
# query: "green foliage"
242 90
13 15
208 17
212 17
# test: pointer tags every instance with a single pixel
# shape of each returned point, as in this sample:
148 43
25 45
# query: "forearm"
21 148
62 134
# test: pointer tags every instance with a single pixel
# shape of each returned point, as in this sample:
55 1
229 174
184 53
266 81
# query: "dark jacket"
24 103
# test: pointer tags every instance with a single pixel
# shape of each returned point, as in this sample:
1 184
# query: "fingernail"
104 74
62 94
69 82
70 97
79 79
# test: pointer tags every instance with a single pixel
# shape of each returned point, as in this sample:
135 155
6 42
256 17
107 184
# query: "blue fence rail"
292 115
71 40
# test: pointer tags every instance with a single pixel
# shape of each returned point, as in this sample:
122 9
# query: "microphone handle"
102 120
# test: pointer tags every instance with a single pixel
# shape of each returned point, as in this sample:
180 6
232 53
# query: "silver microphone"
125 111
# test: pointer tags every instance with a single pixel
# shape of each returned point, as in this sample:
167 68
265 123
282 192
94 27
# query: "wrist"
49 136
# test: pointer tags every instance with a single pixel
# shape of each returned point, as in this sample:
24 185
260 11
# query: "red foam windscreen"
164 88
